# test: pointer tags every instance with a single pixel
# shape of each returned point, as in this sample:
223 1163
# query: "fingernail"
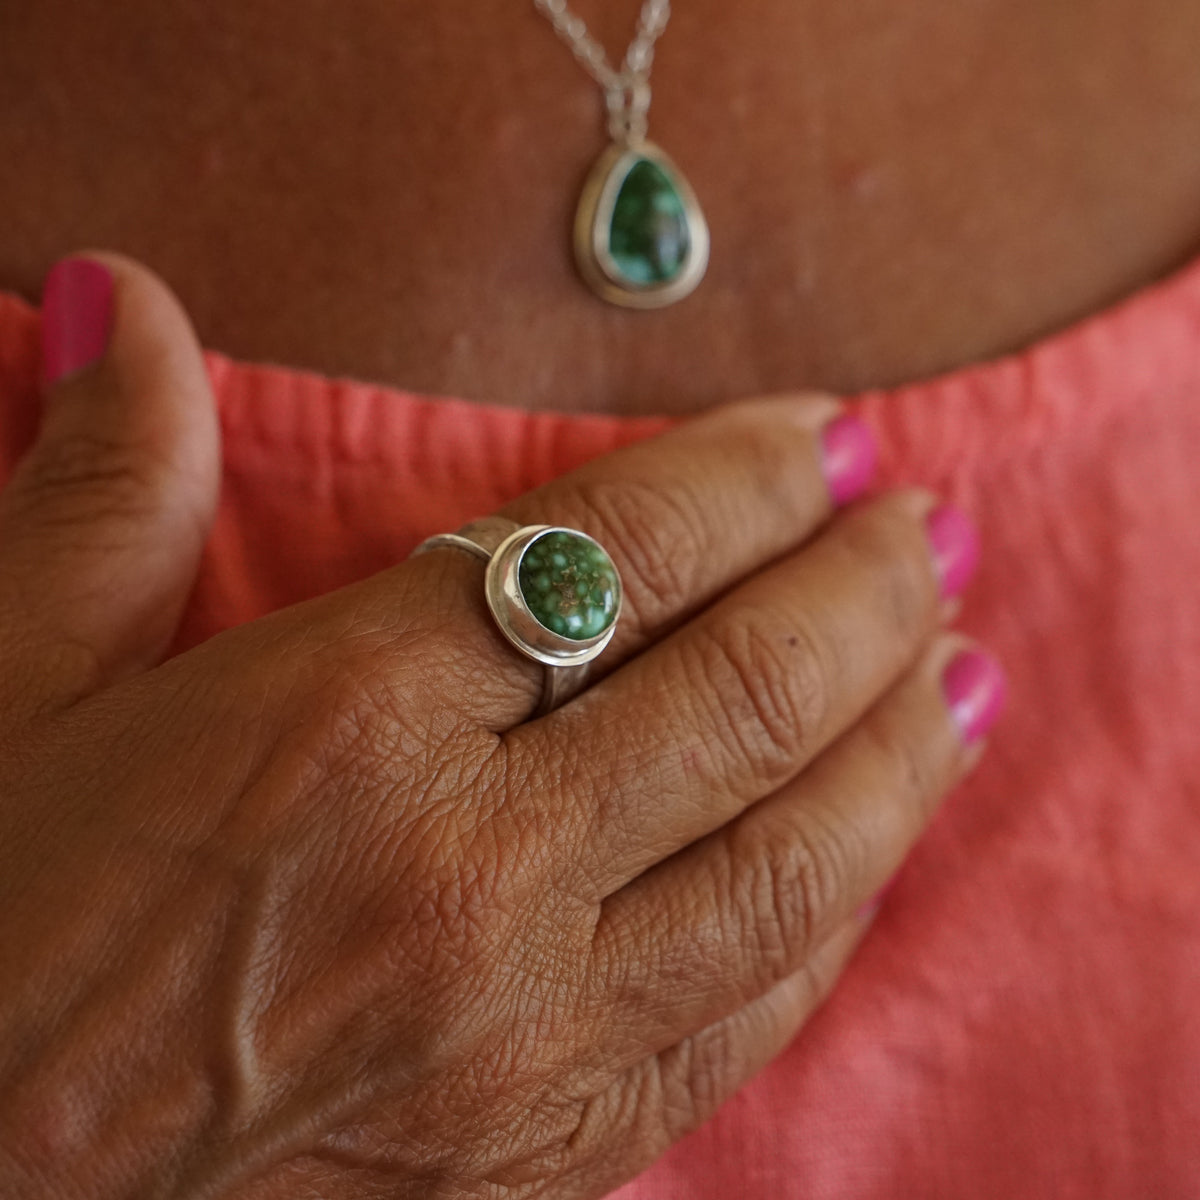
848 458
77 308
955 544
975 688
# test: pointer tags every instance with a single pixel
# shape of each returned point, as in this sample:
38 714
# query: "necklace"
641 240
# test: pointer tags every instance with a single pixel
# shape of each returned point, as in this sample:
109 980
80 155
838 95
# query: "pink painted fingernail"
955 544
976 689
77 310
848 458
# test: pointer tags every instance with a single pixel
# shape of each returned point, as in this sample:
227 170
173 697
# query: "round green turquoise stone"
569 584
649 240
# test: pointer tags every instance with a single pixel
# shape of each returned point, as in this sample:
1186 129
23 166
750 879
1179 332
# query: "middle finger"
737 702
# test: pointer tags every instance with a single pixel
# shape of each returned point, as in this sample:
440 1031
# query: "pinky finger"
669 1094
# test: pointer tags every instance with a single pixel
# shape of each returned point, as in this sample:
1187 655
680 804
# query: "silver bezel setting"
513 616
593 227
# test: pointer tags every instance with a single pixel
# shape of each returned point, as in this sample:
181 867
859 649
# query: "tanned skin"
386 189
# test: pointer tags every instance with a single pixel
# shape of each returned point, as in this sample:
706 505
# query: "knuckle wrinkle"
770 685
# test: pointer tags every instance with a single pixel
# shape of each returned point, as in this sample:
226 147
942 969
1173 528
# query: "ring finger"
666 1095
724 920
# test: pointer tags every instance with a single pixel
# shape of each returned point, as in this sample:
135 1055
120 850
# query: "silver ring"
553 592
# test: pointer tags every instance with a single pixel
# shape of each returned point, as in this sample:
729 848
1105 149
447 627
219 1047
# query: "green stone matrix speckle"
569 584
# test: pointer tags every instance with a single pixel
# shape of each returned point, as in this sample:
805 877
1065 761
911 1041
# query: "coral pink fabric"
1024 1019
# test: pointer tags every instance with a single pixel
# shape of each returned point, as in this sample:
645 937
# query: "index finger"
684 516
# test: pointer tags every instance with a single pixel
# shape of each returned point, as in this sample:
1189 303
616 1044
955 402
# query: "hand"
316 909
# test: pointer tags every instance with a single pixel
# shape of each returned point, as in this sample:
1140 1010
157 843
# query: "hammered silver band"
501 544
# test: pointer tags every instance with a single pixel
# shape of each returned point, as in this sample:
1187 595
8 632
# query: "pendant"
641 240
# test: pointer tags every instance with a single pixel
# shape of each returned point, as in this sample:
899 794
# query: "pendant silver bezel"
593 225
513 616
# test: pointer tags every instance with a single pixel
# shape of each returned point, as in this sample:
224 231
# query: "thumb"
102 525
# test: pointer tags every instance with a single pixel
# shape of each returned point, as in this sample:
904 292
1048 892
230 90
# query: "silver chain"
627 90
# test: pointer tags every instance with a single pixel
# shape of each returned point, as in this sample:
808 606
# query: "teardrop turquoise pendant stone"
640 236
649 239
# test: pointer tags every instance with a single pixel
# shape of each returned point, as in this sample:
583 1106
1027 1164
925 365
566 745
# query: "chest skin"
386 190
